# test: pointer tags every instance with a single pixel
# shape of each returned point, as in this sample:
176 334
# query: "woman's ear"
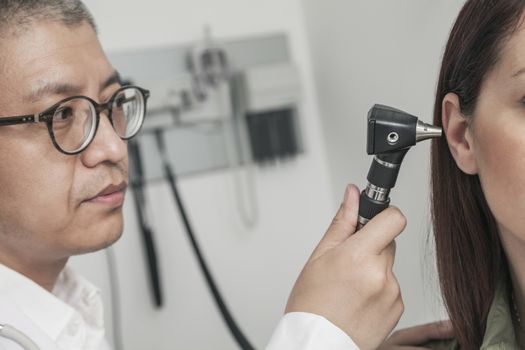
459 134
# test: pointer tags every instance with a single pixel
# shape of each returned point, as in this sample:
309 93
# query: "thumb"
343 225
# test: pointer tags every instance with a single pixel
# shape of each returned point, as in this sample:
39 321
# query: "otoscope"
391 134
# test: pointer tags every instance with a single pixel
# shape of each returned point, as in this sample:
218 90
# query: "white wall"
389 52
255 269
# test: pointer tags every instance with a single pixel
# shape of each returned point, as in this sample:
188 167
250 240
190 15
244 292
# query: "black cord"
148 240
243 343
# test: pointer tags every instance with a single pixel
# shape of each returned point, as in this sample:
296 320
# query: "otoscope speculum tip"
426 131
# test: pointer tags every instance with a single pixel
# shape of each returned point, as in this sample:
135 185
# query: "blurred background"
264 107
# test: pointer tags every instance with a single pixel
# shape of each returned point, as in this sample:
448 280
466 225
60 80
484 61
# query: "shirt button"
86 298
74 327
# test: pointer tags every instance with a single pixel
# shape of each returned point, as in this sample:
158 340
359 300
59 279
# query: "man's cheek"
51 206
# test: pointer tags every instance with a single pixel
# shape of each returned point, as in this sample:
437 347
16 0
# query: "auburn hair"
468 249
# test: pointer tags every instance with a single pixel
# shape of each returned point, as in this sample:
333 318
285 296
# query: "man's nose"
107 146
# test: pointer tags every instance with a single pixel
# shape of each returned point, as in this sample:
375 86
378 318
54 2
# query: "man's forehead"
53 53
47 38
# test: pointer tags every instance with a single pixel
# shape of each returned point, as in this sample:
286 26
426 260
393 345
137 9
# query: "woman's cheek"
501 162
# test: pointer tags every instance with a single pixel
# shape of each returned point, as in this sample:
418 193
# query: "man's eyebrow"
113 79
52 88
58 88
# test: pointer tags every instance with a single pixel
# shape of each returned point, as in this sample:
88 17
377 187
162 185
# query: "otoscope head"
391 130
391 133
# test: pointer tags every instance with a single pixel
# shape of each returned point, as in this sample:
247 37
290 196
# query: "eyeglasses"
73 122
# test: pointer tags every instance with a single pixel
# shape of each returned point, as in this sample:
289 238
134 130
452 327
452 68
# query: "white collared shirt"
71 318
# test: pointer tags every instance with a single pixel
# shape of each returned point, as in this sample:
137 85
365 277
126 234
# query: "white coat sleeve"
306 331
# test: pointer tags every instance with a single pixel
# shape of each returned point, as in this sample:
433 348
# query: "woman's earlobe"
459 134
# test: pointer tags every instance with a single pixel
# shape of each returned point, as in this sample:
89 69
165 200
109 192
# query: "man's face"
50 207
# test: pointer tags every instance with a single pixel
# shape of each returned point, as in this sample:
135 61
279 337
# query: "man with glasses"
64 123
73 122
64 119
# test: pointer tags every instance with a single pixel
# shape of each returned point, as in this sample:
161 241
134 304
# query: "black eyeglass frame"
47 116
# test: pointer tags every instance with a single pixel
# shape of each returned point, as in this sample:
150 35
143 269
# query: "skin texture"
44 214
491 144
412 338
349 281
349 278
499 150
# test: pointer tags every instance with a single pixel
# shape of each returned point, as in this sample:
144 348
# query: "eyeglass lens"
74 122
128 112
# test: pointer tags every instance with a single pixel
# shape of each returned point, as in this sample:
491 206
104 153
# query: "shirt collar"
500 332
51 312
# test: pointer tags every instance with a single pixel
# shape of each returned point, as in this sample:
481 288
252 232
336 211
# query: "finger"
344 223
395 347
421 334
382 230
389 253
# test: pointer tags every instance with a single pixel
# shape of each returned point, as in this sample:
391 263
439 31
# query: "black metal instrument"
391 134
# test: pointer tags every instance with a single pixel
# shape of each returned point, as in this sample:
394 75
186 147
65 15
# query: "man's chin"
111 239
98 237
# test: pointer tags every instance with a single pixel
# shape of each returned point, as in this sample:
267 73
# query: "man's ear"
459 135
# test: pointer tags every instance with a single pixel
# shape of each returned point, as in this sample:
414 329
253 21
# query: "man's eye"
119 101
63 113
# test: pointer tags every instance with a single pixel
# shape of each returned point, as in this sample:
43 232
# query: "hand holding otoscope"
349 278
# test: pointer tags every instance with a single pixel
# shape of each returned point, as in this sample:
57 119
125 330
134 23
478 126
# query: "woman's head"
476 170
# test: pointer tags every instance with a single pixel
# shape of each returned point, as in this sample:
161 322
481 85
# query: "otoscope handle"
369 207
383 173
382 177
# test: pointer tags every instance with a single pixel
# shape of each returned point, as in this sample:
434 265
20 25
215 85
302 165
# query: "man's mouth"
112 195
